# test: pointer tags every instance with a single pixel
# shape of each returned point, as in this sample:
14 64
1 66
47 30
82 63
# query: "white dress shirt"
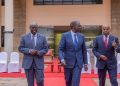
105 37
73 33
35 38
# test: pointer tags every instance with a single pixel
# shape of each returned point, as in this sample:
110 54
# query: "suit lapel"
109 41
37 41
102 40
78 36
71 39
29 39
80 39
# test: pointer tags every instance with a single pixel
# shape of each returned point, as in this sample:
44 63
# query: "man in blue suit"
33 46
73 54
104 49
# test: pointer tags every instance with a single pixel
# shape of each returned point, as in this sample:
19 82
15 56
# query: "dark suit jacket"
26 45
69 53
99 49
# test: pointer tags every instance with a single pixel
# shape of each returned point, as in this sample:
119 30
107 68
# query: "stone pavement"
107 82
13 82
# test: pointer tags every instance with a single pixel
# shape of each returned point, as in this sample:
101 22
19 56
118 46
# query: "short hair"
105 26
33 24
73 23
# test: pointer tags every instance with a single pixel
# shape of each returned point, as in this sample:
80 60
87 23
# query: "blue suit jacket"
26 45
69 53
99 49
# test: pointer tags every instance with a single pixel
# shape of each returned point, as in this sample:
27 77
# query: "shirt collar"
72 32
107 36
34 35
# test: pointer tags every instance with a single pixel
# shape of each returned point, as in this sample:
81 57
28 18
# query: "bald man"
33 46
73 54
104 48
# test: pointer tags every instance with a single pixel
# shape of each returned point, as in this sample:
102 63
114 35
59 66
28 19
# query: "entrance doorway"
54 33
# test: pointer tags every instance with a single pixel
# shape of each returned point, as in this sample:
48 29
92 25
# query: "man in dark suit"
104 48
73 54
33 46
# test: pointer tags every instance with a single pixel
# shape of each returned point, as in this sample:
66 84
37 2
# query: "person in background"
104 48
33 46
72 54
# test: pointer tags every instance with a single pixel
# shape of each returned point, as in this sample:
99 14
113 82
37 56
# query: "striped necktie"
75 41
33 41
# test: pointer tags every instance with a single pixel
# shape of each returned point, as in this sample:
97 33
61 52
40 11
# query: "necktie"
105 42
33 41
75 41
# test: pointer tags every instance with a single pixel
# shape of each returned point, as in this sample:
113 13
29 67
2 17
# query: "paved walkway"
107 82
13 82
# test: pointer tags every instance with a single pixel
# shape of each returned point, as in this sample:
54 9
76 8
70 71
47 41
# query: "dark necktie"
75 41
33 41
105 42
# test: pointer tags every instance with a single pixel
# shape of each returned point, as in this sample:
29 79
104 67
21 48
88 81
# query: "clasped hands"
104 58
33 52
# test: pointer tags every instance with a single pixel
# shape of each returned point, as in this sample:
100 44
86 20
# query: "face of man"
33 29
76 27
106 30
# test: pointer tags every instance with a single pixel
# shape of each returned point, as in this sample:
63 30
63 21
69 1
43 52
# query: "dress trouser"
112 73
72 76
32 73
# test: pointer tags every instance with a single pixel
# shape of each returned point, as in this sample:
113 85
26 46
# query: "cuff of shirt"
62 60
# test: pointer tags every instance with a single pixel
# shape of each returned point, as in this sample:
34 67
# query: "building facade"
16 15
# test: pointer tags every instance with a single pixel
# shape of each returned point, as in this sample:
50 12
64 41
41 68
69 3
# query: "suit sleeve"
44 49
22 48
118 46
84 51
95 48
61 48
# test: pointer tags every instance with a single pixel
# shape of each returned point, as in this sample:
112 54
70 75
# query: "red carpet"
56 78
59 81
50 74
53 79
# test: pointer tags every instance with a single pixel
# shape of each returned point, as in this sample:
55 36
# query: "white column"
8 46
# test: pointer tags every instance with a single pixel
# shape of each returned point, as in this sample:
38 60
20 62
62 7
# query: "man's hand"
33 52
63 63
114 44
85 67
104 58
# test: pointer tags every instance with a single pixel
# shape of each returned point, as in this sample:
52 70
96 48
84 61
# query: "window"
66 2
